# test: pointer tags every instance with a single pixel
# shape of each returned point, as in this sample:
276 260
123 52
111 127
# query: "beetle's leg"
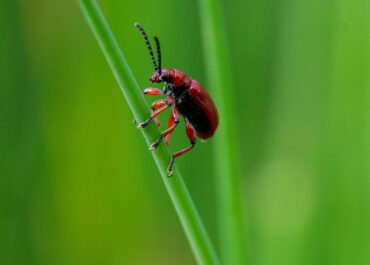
156 105
171 122
192 135
169 101
176 119
154 114
152 91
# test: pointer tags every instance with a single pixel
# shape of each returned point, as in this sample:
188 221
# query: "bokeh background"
78 186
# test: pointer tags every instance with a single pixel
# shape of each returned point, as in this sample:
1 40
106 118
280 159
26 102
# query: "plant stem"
188 215
226 154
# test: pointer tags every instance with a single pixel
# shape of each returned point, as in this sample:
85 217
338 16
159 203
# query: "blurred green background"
78 186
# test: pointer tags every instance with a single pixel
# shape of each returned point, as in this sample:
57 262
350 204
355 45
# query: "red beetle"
186 97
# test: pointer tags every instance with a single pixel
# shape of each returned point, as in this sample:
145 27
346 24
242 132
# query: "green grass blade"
190 220
226 154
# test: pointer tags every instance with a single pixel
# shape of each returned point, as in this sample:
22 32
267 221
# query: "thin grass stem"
226 152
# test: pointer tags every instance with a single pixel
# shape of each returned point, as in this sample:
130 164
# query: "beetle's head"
163 76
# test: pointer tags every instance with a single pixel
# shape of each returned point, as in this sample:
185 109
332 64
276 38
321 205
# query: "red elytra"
187 97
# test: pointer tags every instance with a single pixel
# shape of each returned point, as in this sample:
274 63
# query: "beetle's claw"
144 124
170 171
141 125
155 144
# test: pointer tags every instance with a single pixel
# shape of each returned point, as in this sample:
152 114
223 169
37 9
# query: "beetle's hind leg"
192 135
176 118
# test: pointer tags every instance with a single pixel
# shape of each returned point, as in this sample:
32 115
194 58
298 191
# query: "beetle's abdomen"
195 114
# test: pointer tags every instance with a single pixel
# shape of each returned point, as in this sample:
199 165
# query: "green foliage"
78 185
226 152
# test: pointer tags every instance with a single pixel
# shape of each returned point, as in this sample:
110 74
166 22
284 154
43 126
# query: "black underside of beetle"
190 110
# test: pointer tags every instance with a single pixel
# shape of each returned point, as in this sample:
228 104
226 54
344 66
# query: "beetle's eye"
164 76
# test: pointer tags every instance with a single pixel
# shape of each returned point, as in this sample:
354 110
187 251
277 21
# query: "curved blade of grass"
226 154
189 217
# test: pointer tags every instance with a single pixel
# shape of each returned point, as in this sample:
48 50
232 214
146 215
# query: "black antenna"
158 55
148 45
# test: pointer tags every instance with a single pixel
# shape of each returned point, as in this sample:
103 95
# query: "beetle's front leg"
156 105
152 91
169 101
154 114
